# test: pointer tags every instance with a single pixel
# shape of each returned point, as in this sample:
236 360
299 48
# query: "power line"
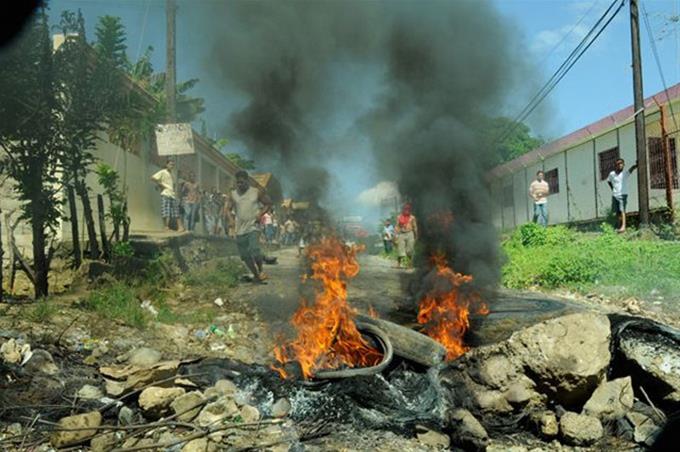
655 51
592 35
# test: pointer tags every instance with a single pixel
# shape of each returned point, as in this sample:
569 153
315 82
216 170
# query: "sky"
598 85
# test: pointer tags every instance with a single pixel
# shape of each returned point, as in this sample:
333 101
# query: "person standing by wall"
539 191
169 202
407 234
192 201
618 182
249 205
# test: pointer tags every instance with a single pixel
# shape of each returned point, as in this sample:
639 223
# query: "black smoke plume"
446 66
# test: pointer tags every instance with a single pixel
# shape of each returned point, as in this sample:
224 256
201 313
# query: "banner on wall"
175 139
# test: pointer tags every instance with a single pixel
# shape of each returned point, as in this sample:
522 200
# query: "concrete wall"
582 195
581 182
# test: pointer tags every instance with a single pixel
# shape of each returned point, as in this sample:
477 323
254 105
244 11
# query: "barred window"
657 168
608 162
553 180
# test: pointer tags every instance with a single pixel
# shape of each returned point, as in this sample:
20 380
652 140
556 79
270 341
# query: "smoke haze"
412 81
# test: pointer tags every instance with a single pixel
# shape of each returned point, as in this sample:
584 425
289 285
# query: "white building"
576 167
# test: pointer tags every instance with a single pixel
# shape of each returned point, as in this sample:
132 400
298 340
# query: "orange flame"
327 337
444 310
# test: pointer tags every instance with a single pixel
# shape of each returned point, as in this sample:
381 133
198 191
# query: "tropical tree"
86 88
32 139
110 41
509 139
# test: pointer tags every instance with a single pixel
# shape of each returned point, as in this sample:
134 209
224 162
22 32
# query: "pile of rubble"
584 381
574 380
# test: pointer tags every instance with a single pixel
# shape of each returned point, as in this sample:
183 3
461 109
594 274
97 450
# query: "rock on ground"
89 392
281 408
611 400
467 431
74 437
545 423
156 401
41 362
644 429
567 357
217 411
433 439
579 429
145 357
187 405
199 445
249 414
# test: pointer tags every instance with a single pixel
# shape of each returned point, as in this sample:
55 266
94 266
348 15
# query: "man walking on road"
407 234
249 205
618 182
169 203
539 191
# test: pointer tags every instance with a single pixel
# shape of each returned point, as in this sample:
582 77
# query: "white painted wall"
519 188
581 182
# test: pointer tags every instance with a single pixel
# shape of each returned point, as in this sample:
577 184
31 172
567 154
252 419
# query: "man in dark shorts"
618 182
249 204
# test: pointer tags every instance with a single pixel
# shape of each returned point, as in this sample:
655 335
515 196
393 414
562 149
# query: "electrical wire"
592 35
655 52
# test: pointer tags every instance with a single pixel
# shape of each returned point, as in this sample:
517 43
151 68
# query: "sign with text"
174 139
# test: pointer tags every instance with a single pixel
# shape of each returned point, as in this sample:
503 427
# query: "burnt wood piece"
409 344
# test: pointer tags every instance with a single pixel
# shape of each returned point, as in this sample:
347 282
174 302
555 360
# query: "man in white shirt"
618 182
169 203
539 191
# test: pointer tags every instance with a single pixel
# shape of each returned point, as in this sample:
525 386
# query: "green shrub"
531 234
569 267
223 274
118 301
122 249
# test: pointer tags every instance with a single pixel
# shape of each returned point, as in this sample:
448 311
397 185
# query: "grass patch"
609 263
41 311
118 301
221 274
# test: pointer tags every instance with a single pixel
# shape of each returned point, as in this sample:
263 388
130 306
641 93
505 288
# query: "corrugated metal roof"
586 133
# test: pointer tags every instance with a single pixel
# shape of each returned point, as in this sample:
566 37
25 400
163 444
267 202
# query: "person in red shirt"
406 234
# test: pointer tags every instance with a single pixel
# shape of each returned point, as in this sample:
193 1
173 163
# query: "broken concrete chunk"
187 404
467 431
199 445
217 411
545 423
281 408
611 400
432 438
155 401
579 429
644 429
249 414
41 362
225 387
492 401
144 357
74 437
89 392
567 356
105 441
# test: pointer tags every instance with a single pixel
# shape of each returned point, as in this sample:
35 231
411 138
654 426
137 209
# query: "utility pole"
170 77
638 108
